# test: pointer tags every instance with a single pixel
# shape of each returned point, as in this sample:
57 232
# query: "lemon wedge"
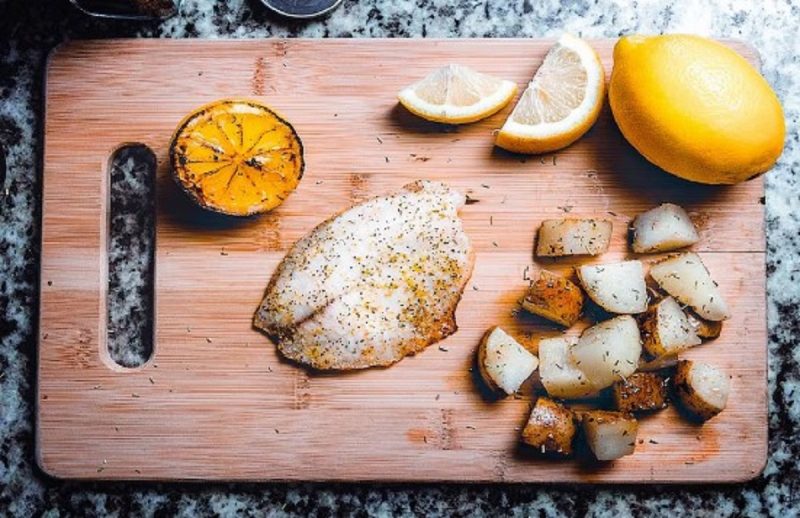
561 103
456 94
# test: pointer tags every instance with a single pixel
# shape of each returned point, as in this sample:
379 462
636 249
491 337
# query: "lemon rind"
595 80
452 114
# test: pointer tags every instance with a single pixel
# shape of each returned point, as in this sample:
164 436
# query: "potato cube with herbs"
640 392
610 435
555 298
504 364
551 428
666 330
573 236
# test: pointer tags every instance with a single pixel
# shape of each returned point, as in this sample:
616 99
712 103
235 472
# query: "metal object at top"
302 8
128 9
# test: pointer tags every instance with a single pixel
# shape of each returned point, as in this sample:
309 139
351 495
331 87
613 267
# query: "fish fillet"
373 284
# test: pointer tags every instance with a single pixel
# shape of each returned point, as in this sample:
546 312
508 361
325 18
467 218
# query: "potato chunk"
560 376
666 329
503 363
701 388
616 287
640 392
573 236
555 298
661 229
610 435
550 428
705 329
608 351
686 278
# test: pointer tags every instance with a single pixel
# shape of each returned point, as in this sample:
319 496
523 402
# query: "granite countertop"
29 29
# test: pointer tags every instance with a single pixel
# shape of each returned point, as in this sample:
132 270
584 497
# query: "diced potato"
555 298
616 287
503 363
550 428
664 228
701 388
559 374
666 329
573 236
705 329
640 392
610 435
685 277
608 351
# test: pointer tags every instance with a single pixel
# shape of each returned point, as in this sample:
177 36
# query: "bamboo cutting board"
217 402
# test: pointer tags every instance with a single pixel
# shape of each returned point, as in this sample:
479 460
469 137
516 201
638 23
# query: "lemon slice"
561 102
456 94
236 157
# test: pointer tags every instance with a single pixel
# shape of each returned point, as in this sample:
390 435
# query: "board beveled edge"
64 51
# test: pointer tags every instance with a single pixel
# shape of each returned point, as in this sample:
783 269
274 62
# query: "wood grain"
222 404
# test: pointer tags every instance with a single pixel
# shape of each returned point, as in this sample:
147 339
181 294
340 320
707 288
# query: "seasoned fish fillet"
373 284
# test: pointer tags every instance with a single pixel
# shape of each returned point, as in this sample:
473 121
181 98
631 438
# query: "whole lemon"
695 108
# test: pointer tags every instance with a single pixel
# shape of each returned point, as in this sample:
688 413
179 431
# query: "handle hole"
131 255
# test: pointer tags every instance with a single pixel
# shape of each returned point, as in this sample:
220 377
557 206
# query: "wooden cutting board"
217 402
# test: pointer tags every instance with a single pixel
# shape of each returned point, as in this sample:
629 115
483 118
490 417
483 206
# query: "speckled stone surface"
28 29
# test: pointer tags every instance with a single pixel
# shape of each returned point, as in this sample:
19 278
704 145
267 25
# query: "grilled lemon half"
236 157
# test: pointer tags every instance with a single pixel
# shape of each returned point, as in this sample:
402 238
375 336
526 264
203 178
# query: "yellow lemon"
695 108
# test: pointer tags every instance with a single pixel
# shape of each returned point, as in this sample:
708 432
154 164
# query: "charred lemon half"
236 157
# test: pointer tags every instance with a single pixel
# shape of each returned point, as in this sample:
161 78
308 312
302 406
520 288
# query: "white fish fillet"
373 284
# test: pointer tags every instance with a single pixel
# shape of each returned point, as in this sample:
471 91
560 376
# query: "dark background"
28 30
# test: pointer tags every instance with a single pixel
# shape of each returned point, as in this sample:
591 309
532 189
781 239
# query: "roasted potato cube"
616 287
705 329
640 392
685 277
610 435
503 363
666 329
559 374
608 351
555 298
573 236
701 388
661 229
550 428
